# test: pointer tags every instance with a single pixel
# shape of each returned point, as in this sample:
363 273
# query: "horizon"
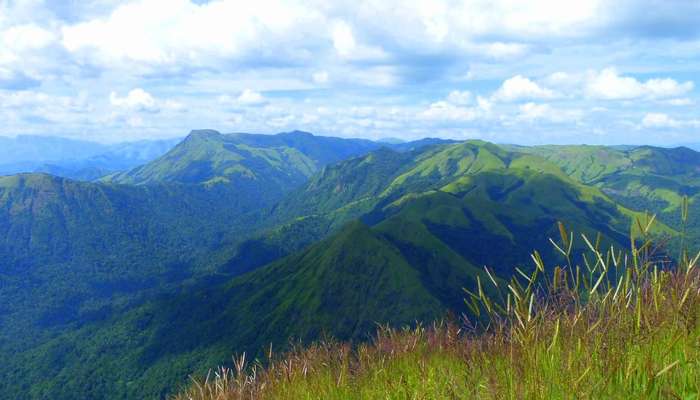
695 146
297 199
504 72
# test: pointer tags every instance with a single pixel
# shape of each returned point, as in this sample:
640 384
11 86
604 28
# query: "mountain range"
76 159
231 243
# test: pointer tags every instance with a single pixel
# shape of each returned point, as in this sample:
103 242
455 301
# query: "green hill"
78 254
127 288
641 178
394 238
629 338
364 186
73 252
209 157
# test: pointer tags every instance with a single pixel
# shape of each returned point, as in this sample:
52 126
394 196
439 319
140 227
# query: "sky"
507 71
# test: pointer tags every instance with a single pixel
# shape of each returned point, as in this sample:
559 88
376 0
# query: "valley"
123 286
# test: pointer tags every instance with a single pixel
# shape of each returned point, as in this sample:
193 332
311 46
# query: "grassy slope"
640 178
209 157
366 188
630 337
608 354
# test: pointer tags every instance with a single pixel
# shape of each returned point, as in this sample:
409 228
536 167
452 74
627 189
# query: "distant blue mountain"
76 159
87 161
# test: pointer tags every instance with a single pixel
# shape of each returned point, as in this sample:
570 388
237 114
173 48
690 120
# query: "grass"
624 324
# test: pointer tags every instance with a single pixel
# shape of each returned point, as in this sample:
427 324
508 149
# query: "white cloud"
168 31
444 111
531 18
137 100
43 108
609 85
343 39
376 62
26 37
519 88
500 50
566 81
174 105
460 97
453 108
666 87
251 98
247 98
348 48
484 104
533 111
680 102
320 77
661 120
22 55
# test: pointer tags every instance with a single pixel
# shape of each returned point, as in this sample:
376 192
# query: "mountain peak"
33 180
203 133
297 133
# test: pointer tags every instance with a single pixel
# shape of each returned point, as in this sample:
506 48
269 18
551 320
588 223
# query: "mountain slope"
78 254
353 281
432 219
642 178
88 244
72 251
207 157
361 187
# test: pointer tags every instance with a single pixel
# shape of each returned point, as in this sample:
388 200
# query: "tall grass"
621 325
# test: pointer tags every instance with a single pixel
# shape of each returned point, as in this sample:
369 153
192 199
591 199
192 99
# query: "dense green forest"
123 287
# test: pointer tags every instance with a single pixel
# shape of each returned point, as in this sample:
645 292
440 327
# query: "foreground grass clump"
623 325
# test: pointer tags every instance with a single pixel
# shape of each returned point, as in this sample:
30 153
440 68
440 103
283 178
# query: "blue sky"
610 72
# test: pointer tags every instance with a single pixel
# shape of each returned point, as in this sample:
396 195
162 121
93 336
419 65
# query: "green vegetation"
73 255
230 243
640 178
621 325
208 157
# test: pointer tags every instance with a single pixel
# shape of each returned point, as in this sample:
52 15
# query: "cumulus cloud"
370 64
26 37
520 88
445 111
343 39
661 120
168 31
608 84
460 97
25 110
16 80
251 98
320 77
247 98
533 111
137 100
21 54
454 108
680 102
172 31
